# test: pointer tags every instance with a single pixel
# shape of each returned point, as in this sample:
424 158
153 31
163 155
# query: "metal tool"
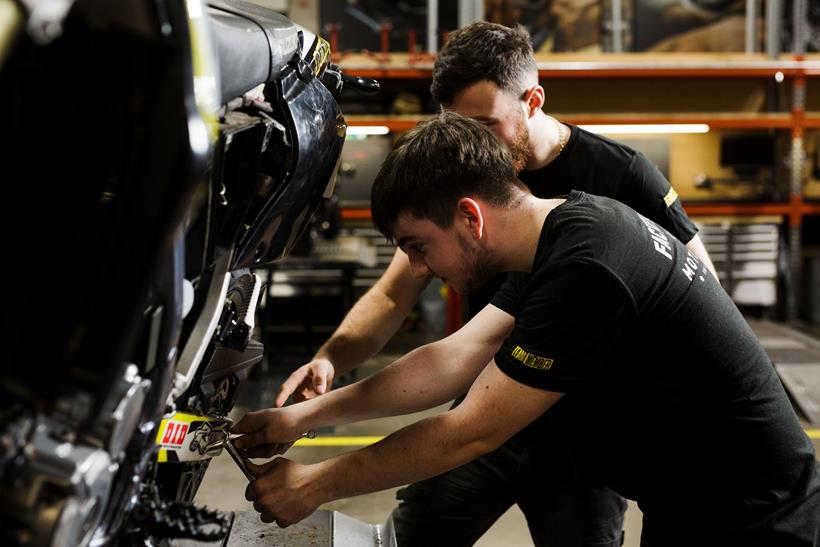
237 458
234 453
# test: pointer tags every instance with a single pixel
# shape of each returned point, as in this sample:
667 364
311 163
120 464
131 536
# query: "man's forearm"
287 492
417 452
403 387
427 376
375 317
495 408
371 322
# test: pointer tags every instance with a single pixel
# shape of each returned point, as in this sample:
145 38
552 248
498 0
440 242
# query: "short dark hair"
482 51
438 162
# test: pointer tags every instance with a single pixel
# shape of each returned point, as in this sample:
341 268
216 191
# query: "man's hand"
307 382
266 433
284 491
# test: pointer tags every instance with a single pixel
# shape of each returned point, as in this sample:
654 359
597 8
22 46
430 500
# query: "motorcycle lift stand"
323 528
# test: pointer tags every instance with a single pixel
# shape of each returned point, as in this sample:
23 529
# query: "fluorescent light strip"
367 130
623 129
611 129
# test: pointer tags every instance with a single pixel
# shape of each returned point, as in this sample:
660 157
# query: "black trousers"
795 523
457 507
532 469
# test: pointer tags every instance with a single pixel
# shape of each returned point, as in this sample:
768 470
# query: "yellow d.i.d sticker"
188 437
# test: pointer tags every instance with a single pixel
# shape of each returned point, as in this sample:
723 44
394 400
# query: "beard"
478 267
520 147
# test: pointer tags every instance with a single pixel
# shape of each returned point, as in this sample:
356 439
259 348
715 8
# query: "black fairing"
316 131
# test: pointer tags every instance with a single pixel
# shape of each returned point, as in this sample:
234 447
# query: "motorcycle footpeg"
179 520
244 293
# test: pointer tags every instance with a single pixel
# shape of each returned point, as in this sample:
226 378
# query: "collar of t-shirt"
555 170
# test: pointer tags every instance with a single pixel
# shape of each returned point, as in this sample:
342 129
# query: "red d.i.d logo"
174 434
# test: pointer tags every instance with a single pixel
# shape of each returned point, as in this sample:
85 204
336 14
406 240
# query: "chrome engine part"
126 415
56 488
55 484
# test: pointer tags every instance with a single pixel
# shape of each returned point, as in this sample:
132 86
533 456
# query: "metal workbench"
322 529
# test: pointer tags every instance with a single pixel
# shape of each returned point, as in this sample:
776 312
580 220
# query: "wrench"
234 453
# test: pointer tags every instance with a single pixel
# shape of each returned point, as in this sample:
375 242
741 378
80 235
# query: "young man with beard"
666 395
487 71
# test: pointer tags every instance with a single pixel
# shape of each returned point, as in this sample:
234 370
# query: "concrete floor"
224 485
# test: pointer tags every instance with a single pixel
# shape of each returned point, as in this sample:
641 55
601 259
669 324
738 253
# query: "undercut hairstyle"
483 51
435 164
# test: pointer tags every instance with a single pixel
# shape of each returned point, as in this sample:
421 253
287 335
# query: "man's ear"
535 102
469 213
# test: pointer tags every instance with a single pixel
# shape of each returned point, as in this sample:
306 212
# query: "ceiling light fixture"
634 129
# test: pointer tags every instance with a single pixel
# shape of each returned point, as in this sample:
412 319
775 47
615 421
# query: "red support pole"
333 31
385 36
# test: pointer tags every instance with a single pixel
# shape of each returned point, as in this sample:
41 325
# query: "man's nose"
419 268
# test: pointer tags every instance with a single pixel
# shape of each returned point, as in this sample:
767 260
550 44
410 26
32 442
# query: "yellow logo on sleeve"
532 361
670 197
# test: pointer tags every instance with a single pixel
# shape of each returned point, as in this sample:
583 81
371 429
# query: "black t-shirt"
670 399
597 165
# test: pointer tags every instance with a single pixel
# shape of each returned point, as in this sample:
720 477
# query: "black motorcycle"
154 153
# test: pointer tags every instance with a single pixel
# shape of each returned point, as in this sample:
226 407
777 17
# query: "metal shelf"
634 65
796 207
693 208
799 70
715 120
